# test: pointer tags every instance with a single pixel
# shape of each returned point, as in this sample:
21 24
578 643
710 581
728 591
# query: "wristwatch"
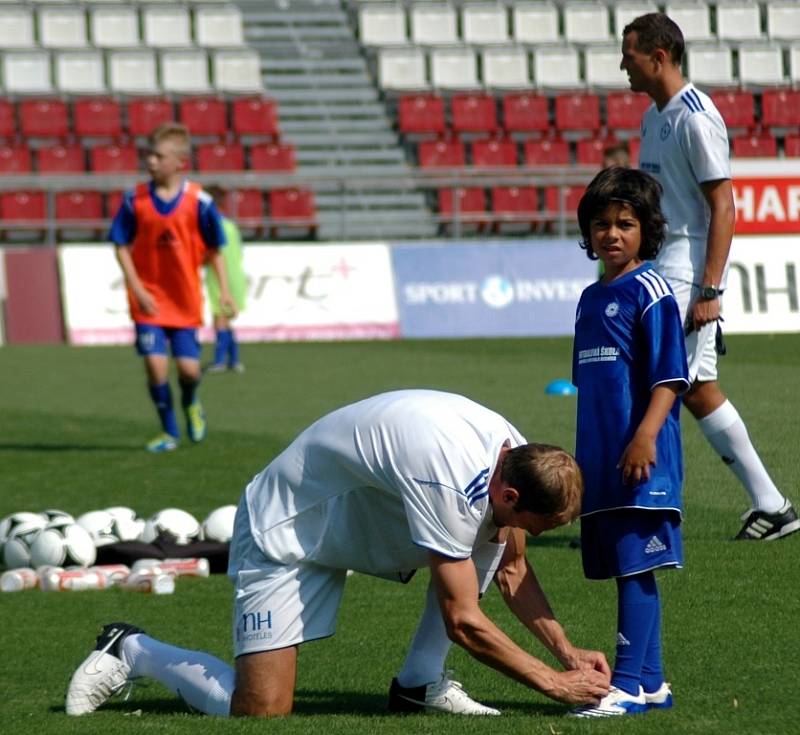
708 293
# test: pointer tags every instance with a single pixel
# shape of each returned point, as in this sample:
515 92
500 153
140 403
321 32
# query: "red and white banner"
767 196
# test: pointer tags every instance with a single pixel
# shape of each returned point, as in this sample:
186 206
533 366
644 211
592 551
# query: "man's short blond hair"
174 132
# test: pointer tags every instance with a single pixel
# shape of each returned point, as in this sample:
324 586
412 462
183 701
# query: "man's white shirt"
377 484
684 145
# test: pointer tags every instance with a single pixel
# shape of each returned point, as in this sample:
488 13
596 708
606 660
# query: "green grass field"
72 426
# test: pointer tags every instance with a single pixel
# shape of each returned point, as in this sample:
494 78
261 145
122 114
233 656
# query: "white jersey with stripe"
376 485
683 146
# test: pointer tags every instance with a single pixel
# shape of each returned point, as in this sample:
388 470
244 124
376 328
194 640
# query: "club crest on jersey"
612 309
665 131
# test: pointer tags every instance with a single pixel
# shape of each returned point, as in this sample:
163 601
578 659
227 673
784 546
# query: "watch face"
709 292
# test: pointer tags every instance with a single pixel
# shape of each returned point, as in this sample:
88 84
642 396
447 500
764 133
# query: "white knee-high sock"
203 681
727 433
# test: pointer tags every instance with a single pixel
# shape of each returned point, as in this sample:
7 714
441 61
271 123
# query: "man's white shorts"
701 345
278 605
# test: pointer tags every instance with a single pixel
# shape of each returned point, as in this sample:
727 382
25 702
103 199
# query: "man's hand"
704 311
580 686
585 659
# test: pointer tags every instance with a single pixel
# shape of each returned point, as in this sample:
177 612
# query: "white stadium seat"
218 26
586 22
27 72
433 23
16 28
710 65
535 22
454 67
236 70
626 10
794 64
602 67
693 17
80 72
505 67
738 20
62 27
761 65
402 68
382 24
556 67
114 27
184 71
166 27
783 20
132 72
484 23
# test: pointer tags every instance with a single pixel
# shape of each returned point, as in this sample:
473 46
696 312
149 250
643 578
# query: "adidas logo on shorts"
654 545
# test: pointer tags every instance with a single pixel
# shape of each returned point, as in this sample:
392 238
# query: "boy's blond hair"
176 133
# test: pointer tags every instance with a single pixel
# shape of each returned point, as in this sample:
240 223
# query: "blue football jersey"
628 340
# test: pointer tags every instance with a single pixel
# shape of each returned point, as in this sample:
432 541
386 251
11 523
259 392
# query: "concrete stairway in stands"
331 111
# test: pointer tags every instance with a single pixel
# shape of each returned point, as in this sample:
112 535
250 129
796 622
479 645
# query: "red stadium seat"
61 159
518 204
146 114
220 157
114 159
292 208
113 202
43 118
780 108
546 152
204 116
96 117
441 153
243 205
272 157
421 114
624 110
79 205
572 195
589 151
577 112
254 116
791 146
21 206
15 159
471 204
737 108
526 113
8 124
755 146
634 145
473 113
491 152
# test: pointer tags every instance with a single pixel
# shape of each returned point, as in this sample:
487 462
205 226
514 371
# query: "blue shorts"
152 340
618 543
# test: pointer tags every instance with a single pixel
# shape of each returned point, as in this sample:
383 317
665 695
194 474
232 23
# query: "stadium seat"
454 67
166 26
113 202
738 20
441 153
535 23
693 18
292 208
505 67
634 146
780 108
419 114
761 65
220 157
494 153
184 72
515 204
80 72
526 113
556 67
794 64
586 22
791 146
204 116
783 20
402 68
602 67
95 117
546 152
624 110
254 116
626 10
571 196
470 202
15 159
737 109
433 23
60 159
8 123
61 27
108 159
26 72
589 151
473 113
755 146
23 206
132 72
272 157
79 205
382 24
710 65
43 118
577 113
146 114
245 206
114 26
16 28
236 71
484 23
218 26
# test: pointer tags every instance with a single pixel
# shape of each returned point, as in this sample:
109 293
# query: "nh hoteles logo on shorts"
254 626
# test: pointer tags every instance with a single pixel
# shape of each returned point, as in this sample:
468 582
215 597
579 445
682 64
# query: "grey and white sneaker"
761 526
102 674
445 695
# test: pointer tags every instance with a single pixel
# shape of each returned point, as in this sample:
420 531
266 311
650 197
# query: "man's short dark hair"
656 30
637 189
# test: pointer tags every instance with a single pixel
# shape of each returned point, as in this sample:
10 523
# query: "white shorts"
701 344
278 605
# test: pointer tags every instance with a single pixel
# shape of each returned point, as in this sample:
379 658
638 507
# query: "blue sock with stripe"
162 398
637 608
652 668
222 346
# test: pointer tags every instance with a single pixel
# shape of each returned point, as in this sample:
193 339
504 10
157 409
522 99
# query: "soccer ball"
63 544
127 525
179 524
16 533
54 514
218 526
100 525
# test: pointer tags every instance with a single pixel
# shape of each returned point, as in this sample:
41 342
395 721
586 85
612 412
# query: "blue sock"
233 350
188 392
652 669
222 346
637 605
162 398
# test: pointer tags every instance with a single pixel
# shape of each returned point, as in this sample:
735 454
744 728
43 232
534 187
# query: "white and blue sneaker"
445 695
661 698
615 703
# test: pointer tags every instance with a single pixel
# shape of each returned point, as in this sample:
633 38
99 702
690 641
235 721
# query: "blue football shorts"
619 543
152 340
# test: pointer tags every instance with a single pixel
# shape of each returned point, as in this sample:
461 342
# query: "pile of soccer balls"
55 538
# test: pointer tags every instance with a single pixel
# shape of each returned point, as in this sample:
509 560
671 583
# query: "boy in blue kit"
162 233
629 363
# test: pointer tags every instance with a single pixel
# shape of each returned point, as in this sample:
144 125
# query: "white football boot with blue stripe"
615 703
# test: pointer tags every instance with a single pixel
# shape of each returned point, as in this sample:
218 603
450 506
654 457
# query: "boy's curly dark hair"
617 185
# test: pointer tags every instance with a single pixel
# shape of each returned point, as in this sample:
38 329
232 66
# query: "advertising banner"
767 205
490 289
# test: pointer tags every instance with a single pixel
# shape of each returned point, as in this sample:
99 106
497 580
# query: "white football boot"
445 695
615 703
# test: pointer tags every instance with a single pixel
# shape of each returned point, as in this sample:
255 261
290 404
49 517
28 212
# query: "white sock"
727 433
203 681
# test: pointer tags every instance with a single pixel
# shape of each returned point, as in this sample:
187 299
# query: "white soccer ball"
63 544
54 514
218 526
177 523
100 525
127 525
16 534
